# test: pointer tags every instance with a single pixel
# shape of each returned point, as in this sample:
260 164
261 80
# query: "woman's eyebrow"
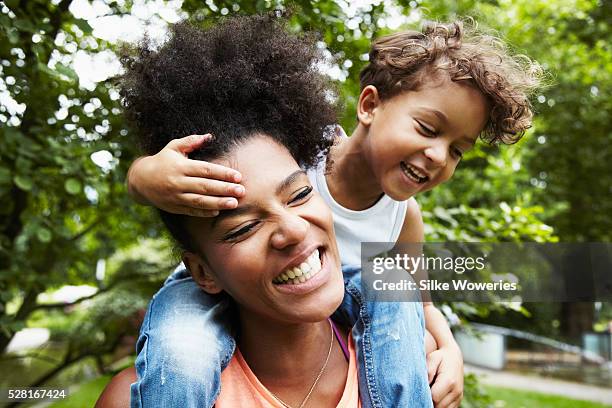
223 214
290 180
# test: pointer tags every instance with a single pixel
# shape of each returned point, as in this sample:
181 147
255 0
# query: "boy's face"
416 139
280 225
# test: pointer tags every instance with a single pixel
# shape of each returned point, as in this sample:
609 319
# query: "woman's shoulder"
117 392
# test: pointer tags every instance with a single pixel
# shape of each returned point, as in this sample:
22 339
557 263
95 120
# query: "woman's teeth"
413 173
301 273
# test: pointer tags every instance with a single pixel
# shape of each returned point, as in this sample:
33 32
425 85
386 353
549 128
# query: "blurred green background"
79 259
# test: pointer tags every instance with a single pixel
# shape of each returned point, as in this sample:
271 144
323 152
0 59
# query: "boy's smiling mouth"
413 173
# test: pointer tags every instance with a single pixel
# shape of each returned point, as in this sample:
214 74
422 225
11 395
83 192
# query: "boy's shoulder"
413 228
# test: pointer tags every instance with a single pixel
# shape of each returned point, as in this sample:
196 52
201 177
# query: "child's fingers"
211 187
189 143
194 212
438 392
204 202
451 400
441 389
198 168
430 343
433 362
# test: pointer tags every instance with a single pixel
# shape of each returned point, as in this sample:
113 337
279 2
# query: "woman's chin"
316 310
325 305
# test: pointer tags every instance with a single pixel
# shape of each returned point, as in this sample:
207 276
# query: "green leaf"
23 182
24 25
44 235
12 4
83 25
5 176
23 165
72 186
13 35
67 71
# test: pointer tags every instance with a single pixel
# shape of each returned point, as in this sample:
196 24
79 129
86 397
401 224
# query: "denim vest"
184 344
389 339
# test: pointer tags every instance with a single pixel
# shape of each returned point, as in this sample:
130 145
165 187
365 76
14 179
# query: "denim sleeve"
389 339
184 344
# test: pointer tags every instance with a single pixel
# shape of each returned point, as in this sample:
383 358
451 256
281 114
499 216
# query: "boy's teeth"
413 173
416 171
301 273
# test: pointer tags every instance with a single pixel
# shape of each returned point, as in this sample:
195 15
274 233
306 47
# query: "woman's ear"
201 273
369 101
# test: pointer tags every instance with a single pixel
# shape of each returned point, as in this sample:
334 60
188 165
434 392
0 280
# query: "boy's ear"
201 273
369 101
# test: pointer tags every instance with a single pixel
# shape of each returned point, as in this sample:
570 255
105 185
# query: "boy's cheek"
444 177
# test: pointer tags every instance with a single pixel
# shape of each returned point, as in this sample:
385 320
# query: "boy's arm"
169 180
444 365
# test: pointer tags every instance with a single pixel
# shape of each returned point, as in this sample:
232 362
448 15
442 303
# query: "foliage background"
61 213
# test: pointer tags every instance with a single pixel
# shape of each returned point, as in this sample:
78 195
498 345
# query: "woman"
257 88
287 348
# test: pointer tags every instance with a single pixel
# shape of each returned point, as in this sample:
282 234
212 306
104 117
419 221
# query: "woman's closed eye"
241 231
302 196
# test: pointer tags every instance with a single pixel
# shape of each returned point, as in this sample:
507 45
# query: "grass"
511 398
85 396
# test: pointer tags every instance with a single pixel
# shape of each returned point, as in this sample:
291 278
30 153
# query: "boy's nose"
291 230
437 154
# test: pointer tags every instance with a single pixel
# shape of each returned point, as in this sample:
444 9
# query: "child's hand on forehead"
174 183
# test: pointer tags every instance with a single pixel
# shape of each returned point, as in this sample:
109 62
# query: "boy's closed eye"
426 129
457 152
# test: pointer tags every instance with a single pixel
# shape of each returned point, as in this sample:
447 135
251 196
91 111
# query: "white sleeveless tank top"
380 223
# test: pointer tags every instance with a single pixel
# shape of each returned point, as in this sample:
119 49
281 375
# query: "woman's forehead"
260 158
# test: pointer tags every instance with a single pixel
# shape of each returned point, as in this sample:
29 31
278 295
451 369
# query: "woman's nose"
291 230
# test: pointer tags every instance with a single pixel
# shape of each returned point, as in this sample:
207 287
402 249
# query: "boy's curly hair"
405 61
239 77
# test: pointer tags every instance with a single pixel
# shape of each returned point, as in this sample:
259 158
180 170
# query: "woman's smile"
307 277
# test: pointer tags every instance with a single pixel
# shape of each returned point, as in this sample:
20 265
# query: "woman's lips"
315 281
302 272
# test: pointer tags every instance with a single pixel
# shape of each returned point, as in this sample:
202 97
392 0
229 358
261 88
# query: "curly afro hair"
240 77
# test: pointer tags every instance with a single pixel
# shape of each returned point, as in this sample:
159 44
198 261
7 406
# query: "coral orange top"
241 388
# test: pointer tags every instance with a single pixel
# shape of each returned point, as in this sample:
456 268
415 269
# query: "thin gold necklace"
314 384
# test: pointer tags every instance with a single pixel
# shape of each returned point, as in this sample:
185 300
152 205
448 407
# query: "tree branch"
58 305
108 288
36 356
29 302
85 230
56 18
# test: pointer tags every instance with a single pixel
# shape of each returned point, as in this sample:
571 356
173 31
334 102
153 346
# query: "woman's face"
276 253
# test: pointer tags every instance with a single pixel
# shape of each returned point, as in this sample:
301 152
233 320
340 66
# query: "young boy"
425 98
